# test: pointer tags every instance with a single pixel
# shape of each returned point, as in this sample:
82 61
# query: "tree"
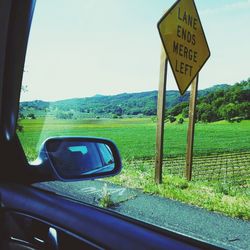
185 112
31 116
149 111
118 111
21 115
218 102
19 127
171 118
68 115
209 116
243 110
228 111
177 109
244 95
181 120
201 109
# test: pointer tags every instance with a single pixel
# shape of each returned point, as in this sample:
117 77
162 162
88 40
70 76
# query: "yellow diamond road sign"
184 41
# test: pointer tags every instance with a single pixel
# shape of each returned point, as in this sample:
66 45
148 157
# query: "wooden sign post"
187 50
160 117
191 126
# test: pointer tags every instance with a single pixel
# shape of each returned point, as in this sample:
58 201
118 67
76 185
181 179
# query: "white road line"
94 190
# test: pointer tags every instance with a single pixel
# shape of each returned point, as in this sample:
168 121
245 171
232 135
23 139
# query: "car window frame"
18 175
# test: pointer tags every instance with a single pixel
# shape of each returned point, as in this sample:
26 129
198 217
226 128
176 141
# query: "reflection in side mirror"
74 158
78 158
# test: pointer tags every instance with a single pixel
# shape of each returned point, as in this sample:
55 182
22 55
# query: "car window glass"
92 69
82 149
106 153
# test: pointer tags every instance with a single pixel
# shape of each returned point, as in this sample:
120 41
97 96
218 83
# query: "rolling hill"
122 104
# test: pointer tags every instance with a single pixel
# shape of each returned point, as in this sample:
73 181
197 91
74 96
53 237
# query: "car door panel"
26 232
94 226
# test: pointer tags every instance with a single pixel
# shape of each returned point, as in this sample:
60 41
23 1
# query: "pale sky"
113 46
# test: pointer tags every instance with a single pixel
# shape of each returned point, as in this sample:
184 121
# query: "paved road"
185 219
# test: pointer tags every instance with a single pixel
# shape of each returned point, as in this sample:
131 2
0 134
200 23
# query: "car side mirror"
78 158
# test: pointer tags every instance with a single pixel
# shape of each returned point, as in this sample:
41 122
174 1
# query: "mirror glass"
76 158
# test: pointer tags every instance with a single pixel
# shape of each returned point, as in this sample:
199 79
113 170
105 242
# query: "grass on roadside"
106 201
225 198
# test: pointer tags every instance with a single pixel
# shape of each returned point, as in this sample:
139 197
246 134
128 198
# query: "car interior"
32 218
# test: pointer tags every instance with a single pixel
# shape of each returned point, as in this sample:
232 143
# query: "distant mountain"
37 104
122 104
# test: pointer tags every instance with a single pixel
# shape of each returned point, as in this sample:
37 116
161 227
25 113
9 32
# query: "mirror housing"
77 158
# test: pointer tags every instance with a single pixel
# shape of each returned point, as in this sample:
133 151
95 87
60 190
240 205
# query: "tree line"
220 102
231 104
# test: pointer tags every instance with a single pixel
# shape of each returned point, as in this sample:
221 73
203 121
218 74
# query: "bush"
185 112
178 109
19 128
228 111
31 116
64 115
172 118
181 120
236 119
21 115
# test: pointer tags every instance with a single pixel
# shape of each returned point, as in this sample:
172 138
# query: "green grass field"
221 180
135 137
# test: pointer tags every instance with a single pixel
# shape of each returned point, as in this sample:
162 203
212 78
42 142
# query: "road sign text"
184 42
